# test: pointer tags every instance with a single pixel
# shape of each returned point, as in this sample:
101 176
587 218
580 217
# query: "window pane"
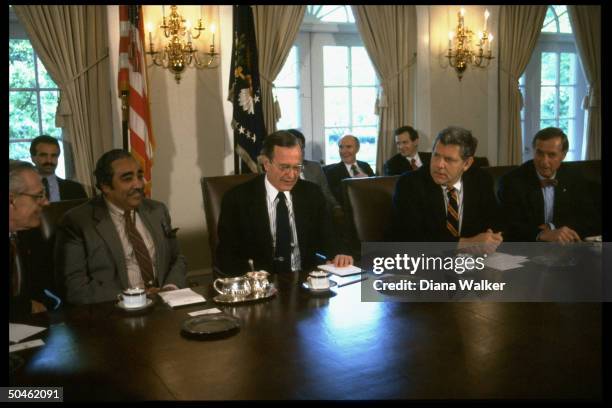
20 151
548 123
336 14
567 74
362 71
547 103
568 127
522 90
21 64
288 99
564 23
550 24
549 68
48 107
332 136
564 125
23 115
367 140
335 65
567 101
289 74
44 79
336 107
364 100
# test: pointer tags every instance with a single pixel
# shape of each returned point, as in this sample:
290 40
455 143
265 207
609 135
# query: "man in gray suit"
118 240
312 171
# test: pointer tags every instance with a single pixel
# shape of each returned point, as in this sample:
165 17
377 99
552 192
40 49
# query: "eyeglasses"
285 168
38 197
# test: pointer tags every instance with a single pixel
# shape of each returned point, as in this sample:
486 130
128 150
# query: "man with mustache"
45 151
448 201
118 240
277 219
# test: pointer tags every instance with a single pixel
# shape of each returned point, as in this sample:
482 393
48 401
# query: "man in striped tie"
118 240
449 200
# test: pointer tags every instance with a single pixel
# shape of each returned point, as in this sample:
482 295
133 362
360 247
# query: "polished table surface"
299 346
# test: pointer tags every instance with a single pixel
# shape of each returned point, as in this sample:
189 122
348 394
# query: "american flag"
133 82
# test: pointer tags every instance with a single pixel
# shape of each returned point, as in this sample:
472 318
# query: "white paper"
344 271
504 262
204 312
181 297
26 345
18 332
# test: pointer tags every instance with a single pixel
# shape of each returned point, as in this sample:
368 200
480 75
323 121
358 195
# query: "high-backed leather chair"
213 189
368 206
52 213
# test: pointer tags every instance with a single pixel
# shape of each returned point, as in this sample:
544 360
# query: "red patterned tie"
452 214
140 250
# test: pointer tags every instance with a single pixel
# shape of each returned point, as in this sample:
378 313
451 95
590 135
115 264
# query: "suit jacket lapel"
259 211
108 233
535 195
157 234
343 171
436 198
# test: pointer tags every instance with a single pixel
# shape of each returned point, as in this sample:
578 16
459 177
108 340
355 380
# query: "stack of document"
181 297
504 262
344 271
18 332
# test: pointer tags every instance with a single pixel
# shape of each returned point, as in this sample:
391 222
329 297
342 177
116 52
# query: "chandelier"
180 51
461 52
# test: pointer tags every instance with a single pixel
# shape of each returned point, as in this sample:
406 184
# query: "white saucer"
306 286
120 305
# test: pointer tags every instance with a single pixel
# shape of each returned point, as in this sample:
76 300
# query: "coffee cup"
259 282
235 287
318 280
133 298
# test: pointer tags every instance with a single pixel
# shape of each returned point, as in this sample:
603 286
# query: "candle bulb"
212 30
163 11
450 40
490 41
486 14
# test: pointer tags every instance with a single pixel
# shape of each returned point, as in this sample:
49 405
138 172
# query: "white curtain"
586 25
276 28
389 34
519 29
72 43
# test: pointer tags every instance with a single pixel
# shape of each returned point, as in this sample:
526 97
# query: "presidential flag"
245 92
133 87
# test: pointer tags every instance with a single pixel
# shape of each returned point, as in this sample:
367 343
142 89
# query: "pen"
323 257
355 281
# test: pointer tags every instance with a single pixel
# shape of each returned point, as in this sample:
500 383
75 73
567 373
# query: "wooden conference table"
299 346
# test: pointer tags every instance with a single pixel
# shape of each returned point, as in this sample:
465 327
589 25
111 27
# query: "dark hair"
281 138
411 132
16 169
551 133
354 137
42 139
104 166
458 136
299 135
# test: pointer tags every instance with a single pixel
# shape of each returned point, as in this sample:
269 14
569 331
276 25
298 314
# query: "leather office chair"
368 206
213 189
52 213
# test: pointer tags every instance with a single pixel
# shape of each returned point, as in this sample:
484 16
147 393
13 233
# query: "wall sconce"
463 53
179 51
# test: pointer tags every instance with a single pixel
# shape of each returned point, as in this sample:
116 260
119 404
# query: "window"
328 86
553 86
33 97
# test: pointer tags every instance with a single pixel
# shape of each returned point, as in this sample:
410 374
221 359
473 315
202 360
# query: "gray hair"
354 138
16 170
455 135
280 138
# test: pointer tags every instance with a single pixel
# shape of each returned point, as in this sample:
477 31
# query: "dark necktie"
354 170
282 253
413 164
452 214
47 191
16 267
548 182
140 251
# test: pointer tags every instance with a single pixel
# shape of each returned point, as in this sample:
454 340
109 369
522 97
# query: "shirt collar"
458 185
272 192
113 209
546 178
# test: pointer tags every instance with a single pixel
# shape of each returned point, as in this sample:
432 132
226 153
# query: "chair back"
213 190
368 206
52 214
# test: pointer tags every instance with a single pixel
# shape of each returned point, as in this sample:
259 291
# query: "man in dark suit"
448 201
347 168
276 219
408 158
45 151
26 200
543 200
118 240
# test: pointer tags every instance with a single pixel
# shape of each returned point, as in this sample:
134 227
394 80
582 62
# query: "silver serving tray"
245 299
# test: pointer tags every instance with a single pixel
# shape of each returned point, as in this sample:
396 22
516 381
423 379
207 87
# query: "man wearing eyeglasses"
26 200
278 220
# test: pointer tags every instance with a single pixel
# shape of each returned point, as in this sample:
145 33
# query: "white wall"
191 120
